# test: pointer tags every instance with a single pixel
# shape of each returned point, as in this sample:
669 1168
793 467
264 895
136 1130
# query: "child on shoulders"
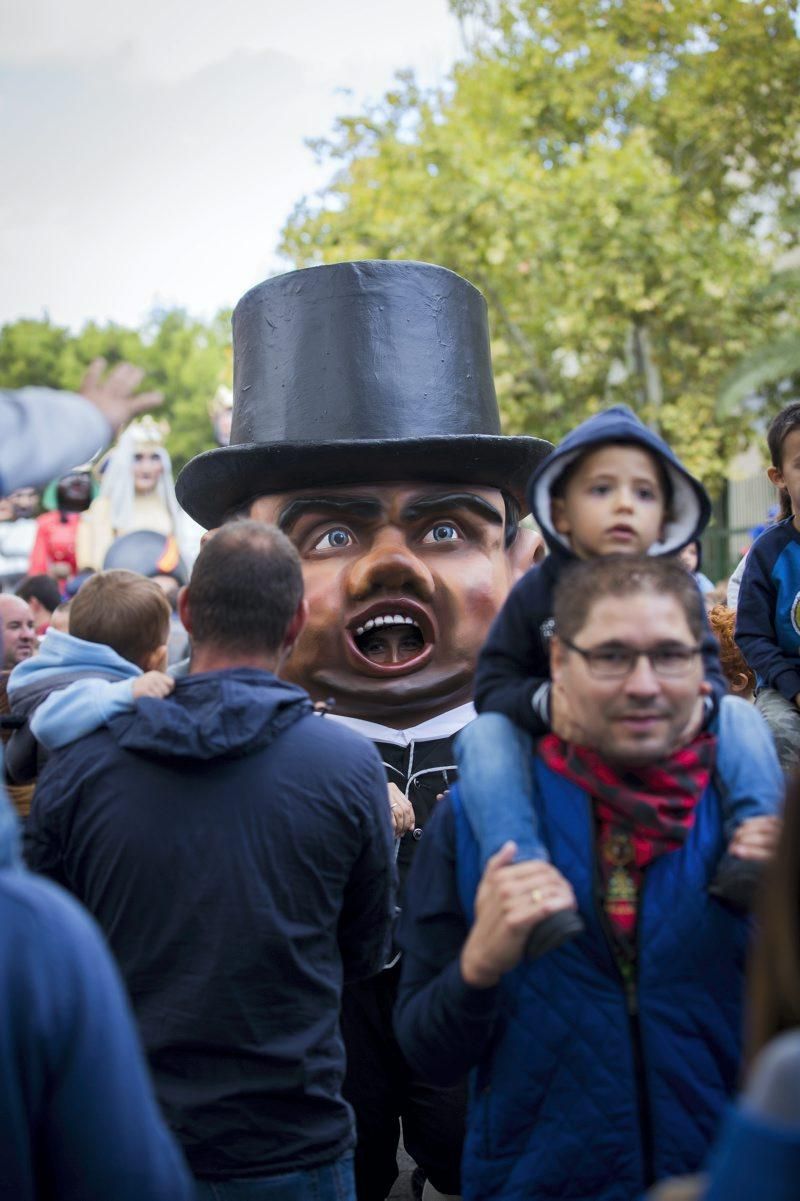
115 653
611 487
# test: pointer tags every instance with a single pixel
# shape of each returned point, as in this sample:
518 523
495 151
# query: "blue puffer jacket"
586 1094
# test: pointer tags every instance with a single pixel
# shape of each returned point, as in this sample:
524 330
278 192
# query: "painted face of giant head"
147 470
402 581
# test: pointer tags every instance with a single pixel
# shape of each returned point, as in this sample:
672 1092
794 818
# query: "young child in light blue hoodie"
115 652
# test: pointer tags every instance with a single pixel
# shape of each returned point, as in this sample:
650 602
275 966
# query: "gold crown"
149 432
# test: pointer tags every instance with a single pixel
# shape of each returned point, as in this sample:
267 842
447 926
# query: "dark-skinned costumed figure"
365 426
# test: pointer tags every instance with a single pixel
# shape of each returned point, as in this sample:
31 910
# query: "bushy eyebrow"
353 506
424 505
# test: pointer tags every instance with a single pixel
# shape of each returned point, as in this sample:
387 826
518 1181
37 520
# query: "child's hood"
61 653
690 507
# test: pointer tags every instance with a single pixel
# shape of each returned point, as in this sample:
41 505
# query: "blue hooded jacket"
583 1088
236 850
513 673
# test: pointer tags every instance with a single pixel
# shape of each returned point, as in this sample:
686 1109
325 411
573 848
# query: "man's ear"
557 653
296 625
775 476
184 611
157 659
527 549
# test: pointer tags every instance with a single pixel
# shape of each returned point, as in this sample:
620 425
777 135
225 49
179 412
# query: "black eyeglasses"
615 662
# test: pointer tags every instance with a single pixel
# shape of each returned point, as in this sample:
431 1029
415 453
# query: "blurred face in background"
19 630
147 471
25 502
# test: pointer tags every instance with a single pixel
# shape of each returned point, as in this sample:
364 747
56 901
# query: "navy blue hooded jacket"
236 849
582 1088
513 673
78 1115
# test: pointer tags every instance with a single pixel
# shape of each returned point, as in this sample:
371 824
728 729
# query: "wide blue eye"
336 539
442 532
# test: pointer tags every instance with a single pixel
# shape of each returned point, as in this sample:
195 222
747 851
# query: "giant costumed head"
365 425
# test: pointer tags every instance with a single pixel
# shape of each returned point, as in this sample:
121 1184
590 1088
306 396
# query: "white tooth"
368 625
409 621
399 619
378 621
360 630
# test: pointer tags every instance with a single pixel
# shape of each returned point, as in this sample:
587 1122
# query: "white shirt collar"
443 725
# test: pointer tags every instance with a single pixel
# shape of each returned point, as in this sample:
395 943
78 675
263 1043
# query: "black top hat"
359 373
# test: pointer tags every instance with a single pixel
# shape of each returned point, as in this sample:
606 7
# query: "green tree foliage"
770 374
185 358
616 178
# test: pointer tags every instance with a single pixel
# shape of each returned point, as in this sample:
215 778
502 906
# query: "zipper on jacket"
631 995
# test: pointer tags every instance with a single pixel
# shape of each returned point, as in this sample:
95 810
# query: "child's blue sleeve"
747 764
757 618
79 710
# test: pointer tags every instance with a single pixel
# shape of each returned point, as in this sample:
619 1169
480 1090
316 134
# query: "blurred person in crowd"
775 514
19 643
178 646
18 629
757 1154
136 494
691 556
79 1118
406 516
18 632
54 548
198 829
767 627
41 593
18 535
583 1060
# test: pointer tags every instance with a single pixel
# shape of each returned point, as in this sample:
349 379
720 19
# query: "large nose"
389 565
643 681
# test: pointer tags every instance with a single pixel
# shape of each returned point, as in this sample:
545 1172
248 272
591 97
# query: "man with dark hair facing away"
41 593
236 849
604 1065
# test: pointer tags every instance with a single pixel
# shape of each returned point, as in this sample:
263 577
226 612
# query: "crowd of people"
391 812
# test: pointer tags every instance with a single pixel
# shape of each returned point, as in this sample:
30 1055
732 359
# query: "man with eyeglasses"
604 1065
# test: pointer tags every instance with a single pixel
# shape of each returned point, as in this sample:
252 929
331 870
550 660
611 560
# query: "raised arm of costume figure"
44 433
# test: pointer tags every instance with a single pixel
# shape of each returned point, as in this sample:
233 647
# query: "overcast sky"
152 151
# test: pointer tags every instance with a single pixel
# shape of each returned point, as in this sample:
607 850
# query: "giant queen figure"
365 425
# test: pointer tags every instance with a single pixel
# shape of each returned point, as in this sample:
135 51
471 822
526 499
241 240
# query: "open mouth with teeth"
391 641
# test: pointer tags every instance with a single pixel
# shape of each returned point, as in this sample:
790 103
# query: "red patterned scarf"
640 815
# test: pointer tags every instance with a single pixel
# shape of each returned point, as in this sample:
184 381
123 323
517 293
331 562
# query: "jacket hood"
213 715
60 652
62 658
690 508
